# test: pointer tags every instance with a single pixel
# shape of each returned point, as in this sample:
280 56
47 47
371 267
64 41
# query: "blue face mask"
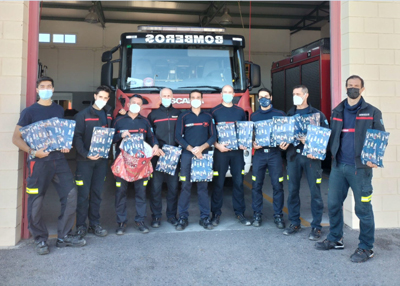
265 102
45 94
227 97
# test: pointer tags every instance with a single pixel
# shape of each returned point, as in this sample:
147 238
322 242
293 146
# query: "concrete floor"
231 254
228 222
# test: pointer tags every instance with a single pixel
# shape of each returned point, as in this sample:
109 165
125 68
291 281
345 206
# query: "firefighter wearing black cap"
91 171
163 122
195 132
227 112
296 164
132 122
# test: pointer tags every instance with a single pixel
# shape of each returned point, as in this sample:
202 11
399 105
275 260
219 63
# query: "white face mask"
196 103
100 103
134 108
297 100
166 102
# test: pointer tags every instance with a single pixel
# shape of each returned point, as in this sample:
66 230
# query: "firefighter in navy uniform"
296 163
132 122
46 167
227 112
267 157
350 121
195 132
91 171
163 122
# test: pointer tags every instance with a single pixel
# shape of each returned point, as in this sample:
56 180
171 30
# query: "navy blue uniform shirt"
222 113
195 130
346 154
37 112
102 115
260 115
138 125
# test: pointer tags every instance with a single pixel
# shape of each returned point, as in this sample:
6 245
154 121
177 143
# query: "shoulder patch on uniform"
326 122
382 121
151 128
213 121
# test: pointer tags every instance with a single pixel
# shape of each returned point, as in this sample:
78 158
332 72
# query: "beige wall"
371 49
81 63
13 62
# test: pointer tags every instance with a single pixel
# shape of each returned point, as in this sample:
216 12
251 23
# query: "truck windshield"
182 67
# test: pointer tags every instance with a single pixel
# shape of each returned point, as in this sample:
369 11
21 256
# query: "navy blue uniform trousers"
172 193
222 161
41 173
89 178
312 168
140 199
202 191
271 159
341 178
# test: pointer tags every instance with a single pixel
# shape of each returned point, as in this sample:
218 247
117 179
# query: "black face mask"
353 92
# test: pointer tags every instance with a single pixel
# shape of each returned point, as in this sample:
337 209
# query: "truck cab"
182 59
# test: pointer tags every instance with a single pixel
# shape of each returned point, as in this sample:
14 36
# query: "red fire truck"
182 59
308 65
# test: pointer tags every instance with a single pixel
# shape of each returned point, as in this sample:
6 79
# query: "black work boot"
97 230
327 244
292 229
206 223
279 222
42 248
242 219
156 222
315 234
172 220
182 223
81 230
71 240
215 220
361 255
140 226
257 220
121 229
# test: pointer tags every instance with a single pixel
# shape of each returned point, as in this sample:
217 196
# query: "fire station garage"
316 43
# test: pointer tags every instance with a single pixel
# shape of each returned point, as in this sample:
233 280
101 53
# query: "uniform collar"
201 111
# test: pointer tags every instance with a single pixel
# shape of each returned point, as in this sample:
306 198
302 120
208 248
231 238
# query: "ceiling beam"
297 28
264 4
211 12
170 11
100 14
118 21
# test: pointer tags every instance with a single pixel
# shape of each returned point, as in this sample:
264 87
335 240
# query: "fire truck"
182 59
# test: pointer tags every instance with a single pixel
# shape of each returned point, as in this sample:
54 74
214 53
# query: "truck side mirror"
106 57
255 75
107 75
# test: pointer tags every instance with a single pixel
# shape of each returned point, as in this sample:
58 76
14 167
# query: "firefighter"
349 122
43 168
91 171
227 112
163 122
267 158
296 164
132 122
195 132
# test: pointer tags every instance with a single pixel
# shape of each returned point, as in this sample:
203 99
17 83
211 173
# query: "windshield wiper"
143 87
202 86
